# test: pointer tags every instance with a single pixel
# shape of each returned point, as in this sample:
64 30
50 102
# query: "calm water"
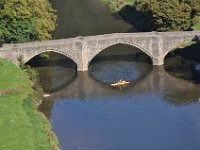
86 17
158 110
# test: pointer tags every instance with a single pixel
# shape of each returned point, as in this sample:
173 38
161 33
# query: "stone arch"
36 53
177 43
93 55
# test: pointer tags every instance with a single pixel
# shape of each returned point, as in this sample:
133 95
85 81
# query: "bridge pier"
82 49
82 67
158 61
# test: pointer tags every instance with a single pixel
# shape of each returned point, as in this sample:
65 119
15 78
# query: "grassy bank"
22 126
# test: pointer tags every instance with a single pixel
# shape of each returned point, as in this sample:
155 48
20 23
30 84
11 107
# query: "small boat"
119 83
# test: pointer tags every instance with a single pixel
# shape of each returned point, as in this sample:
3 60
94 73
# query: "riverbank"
139 19
22 126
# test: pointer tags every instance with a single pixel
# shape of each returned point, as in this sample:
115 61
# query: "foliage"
33 76
195 5
159 15
166 15
116 5
196 23
26 20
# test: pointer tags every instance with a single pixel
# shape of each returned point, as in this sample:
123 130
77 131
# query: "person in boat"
121 81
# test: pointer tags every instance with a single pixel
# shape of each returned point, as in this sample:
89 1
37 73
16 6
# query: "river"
86 17
158 110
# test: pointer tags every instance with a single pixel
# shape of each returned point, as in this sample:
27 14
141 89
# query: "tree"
166 15
195 5
26 20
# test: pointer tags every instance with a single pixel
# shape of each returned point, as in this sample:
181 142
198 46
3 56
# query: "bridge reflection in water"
173 90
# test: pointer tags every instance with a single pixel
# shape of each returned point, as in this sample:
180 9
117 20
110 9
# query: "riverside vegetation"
26 20
22 126
159 15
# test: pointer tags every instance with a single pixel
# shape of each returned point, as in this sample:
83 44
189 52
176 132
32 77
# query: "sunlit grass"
22 127
11 77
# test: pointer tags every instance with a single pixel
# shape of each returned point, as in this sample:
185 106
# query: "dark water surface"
158 110
86 17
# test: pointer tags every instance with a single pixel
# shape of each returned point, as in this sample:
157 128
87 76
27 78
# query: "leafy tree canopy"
26 20
166 15
195 5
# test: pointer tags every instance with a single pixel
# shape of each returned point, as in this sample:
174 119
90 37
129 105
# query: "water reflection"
56 77
161 102
183 68
87 113
120 62
87 17
111 71
158 111
56 71
172 90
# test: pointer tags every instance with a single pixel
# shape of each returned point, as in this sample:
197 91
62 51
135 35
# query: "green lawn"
21 126
12 77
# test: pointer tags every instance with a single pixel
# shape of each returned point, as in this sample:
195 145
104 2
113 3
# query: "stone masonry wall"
83 49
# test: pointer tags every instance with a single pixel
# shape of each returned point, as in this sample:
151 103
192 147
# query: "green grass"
22 126
12 77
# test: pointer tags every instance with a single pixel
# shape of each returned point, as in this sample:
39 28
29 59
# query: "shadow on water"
87 17
185 63
159 110
110 66
120 62
173 90
55 70
88 112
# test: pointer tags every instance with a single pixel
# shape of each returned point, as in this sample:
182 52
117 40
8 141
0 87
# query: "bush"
33 75
26 20
166 15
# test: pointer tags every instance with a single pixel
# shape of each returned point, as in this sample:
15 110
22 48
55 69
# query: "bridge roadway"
83 49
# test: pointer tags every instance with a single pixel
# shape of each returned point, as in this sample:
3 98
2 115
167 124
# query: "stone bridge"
83 49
